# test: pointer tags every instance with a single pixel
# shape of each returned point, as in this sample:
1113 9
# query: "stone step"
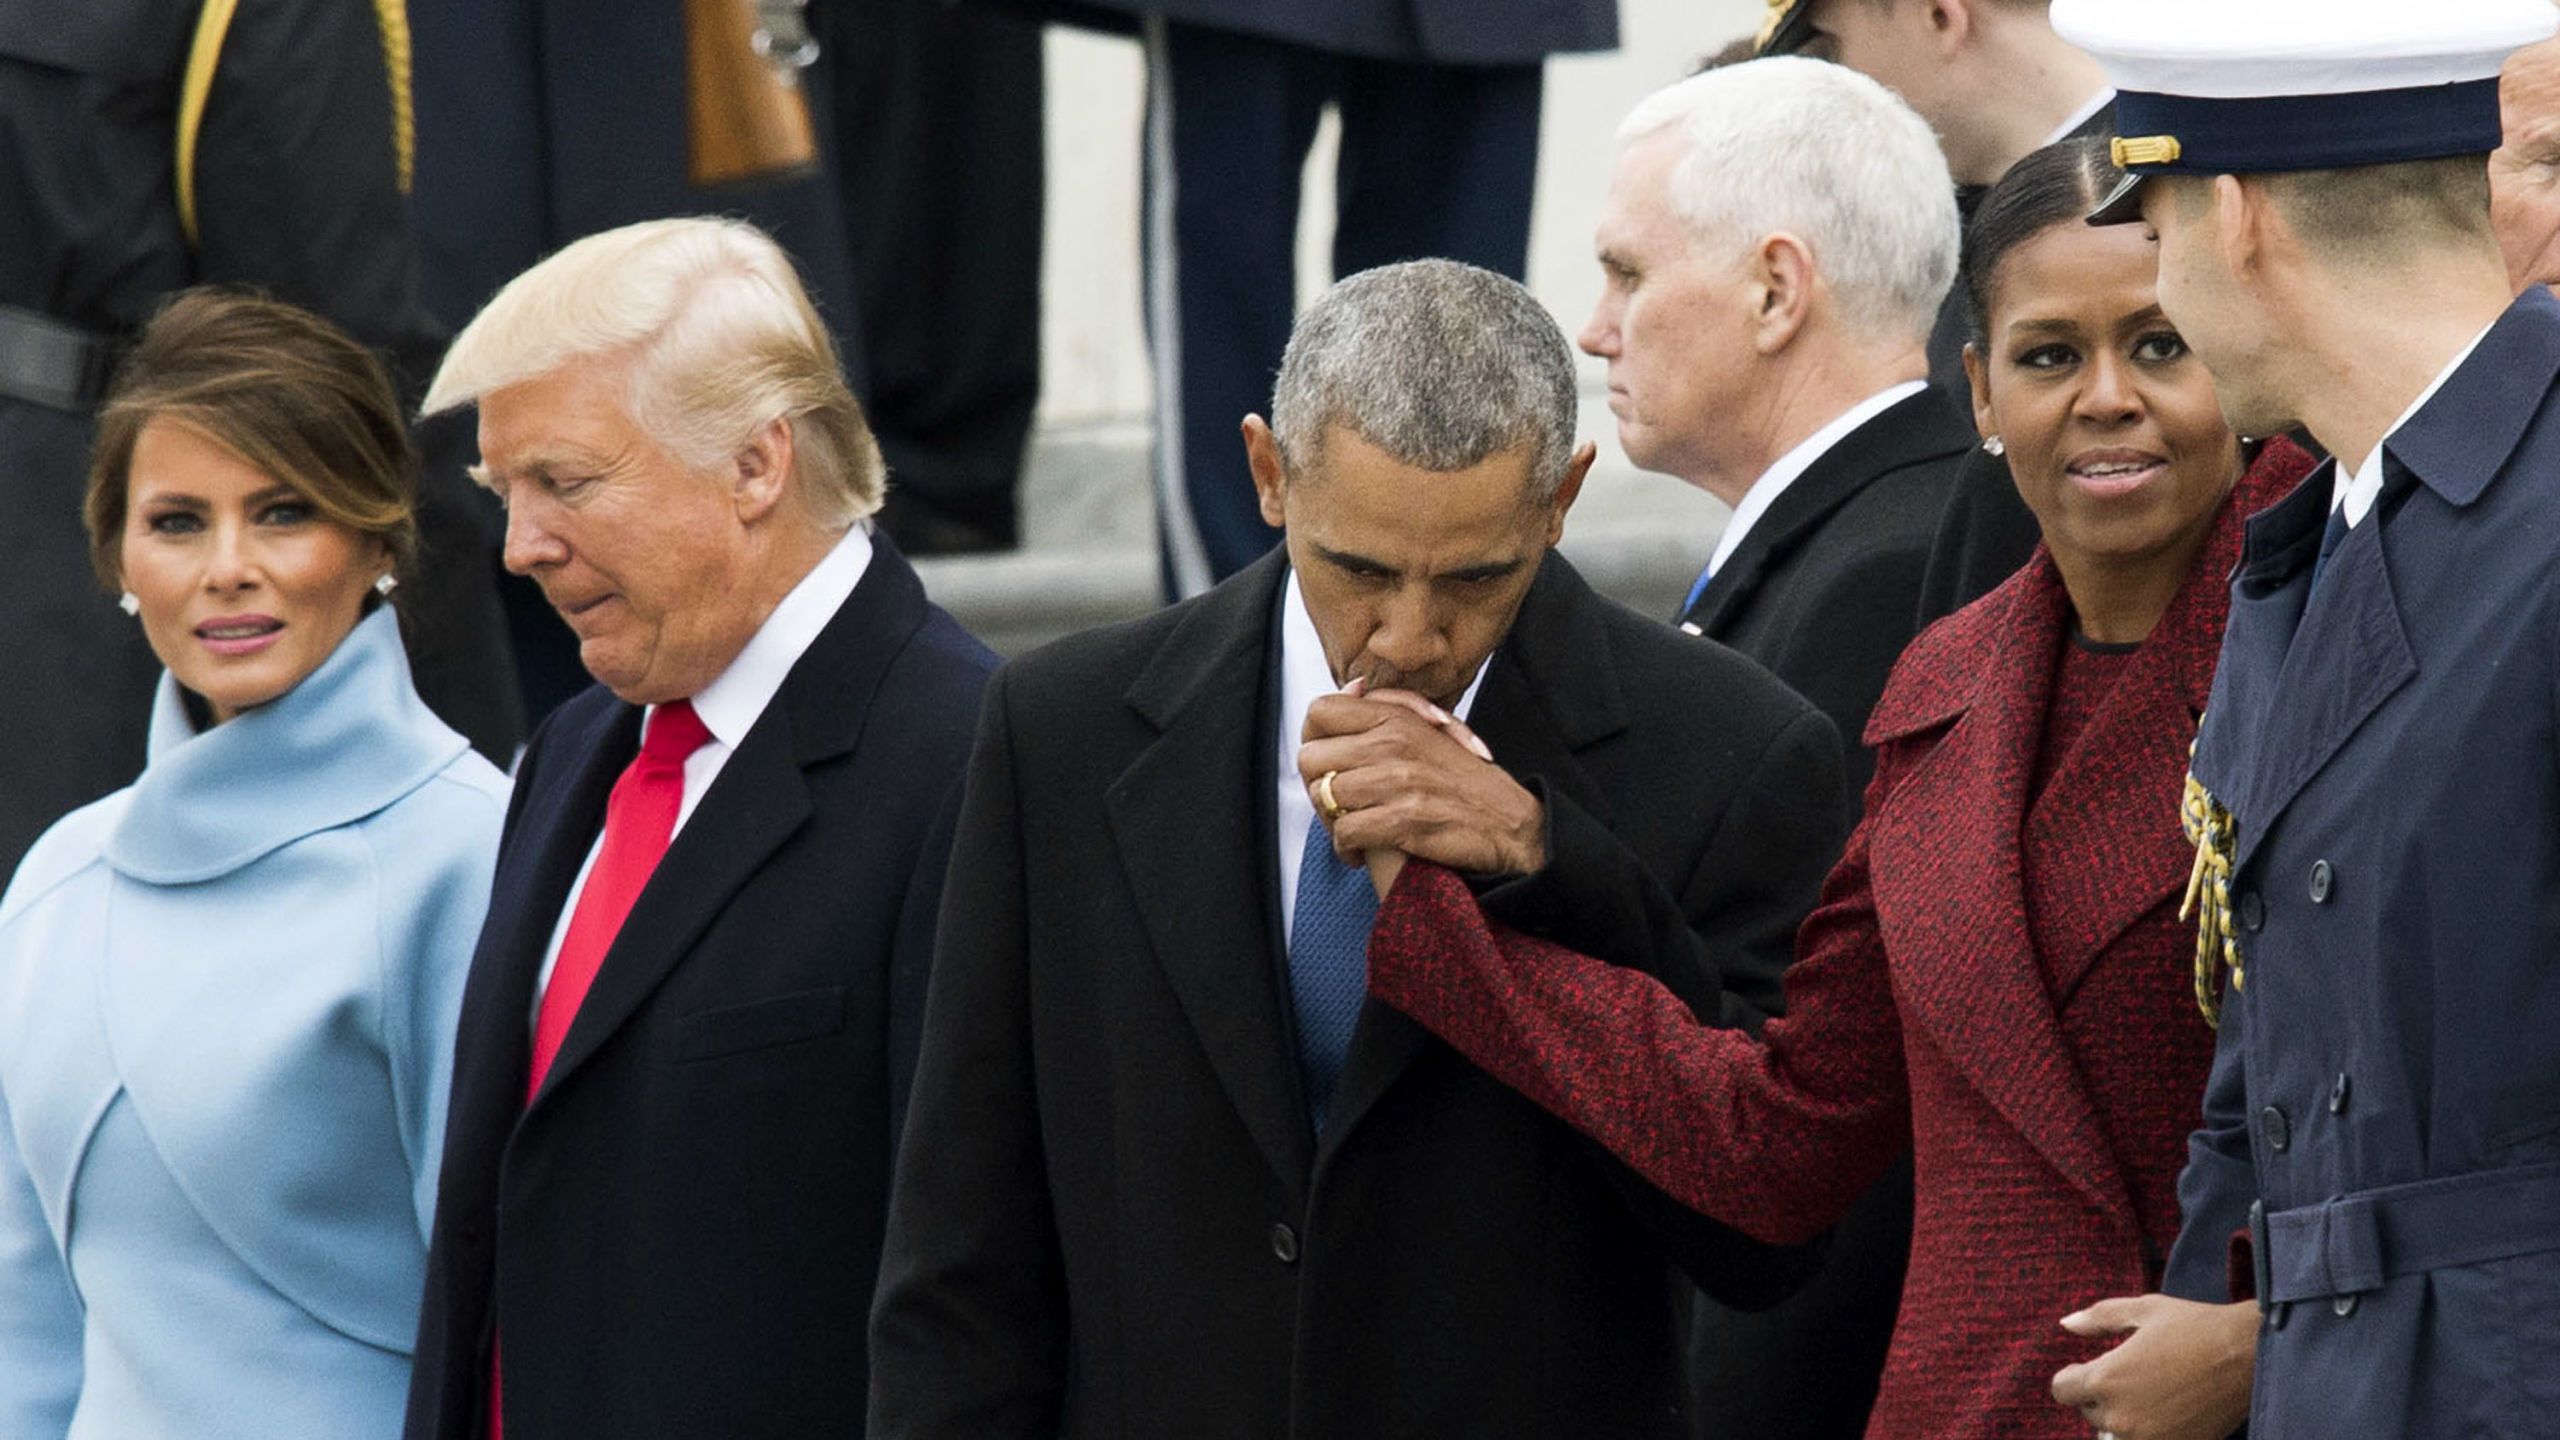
1089 552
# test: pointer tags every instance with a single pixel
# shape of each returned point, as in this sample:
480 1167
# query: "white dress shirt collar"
1790 467
2089 108
2357 491
730 705
1305 677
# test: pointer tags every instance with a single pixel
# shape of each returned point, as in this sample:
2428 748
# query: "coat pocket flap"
757 1024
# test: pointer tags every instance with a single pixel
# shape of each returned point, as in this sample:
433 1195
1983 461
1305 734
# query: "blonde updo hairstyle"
278 386
716 337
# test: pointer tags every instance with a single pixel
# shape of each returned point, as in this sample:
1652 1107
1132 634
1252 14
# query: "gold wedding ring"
1330 808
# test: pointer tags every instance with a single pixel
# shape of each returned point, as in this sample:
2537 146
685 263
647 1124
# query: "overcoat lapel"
760 798
1550 693
560 817
1198 875
1970 980
2110 805
2349 654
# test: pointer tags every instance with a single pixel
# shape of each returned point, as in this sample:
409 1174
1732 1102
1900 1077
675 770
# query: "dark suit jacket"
1449 32
1115 1219
677 1237
1822 592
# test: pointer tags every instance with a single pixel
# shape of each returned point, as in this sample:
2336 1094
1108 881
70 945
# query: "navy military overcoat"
2387 1084
1449 32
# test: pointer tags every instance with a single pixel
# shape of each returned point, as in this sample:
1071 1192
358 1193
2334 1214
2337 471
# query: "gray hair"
1439 364
1827 155
715 337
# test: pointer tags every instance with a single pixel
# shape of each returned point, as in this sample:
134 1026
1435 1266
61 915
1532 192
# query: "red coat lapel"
1966 709
1962 720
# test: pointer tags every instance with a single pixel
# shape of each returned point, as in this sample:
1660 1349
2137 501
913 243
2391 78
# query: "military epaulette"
2208 900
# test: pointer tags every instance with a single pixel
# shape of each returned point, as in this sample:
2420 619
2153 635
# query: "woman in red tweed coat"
1996 978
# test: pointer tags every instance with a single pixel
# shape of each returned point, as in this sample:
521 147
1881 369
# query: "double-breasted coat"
1113 1219
1996 982
2388 1076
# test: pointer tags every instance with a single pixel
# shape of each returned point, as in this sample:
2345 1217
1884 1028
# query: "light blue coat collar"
347 741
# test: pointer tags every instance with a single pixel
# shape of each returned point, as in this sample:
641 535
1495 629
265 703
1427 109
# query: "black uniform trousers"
937 149
1436 160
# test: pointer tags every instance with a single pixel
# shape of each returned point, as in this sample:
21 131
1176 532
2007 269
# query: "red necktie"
639 820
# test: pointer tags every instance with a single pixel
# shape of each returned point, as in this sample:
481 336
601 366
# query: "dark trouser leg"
1437 160
1229 119
937 127
75 673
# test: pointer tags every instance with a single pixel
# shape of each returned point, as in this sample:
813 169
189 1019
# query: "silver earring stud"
130 603
1992 445
384 586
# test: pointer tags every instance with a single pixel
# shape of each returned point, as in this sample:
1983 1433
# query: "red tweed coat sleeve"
1773 1137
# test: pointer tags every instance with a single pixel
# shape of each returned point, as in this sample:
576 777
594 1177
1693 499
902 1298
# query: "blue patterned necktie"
1328 961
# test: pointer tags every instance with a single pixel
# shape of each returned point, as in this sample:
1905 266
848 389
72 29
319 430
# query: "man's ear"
1951 22
2245 221
1270 481
1783 283
763 470
1568 490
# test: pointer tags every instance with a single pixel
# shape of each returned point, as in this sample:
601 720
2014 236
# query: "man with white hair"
686 1039
1779 235
1996 82
1171 1176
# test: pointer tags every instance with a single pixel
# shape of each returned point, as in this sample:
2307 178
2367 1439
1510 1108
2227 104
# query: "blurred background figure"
1778 238
892 148
937 131
288 174
1439 102
227 992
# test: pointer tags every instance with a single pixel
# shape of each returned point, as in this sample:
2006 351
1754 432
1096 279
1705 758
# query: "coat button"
2323 879
2253 912
2343 1306
1284 1244
2277 1314
2339 1091
2274 1128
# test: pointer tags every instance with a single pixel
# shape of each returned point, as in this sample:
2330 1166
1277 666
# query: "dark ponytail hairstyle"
2056 185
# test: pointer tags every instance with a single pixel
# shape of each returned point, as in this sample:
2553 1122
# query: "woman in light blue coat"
228 992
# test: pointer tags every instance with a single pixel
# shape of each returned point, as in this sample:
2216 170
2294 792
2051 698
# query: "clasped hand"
1409 778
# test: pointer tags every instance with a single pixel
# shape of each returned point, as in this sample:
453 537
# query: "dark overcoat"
1448 32
676 1238
2387 1080
1114 1218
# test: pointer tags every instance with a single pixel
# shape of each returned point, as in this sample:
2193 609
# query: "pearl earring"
1992 445
131 604
384 586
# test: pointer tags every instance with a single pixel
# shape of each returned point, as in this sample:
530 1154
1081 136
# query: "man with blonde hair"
1777 238
685 1045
